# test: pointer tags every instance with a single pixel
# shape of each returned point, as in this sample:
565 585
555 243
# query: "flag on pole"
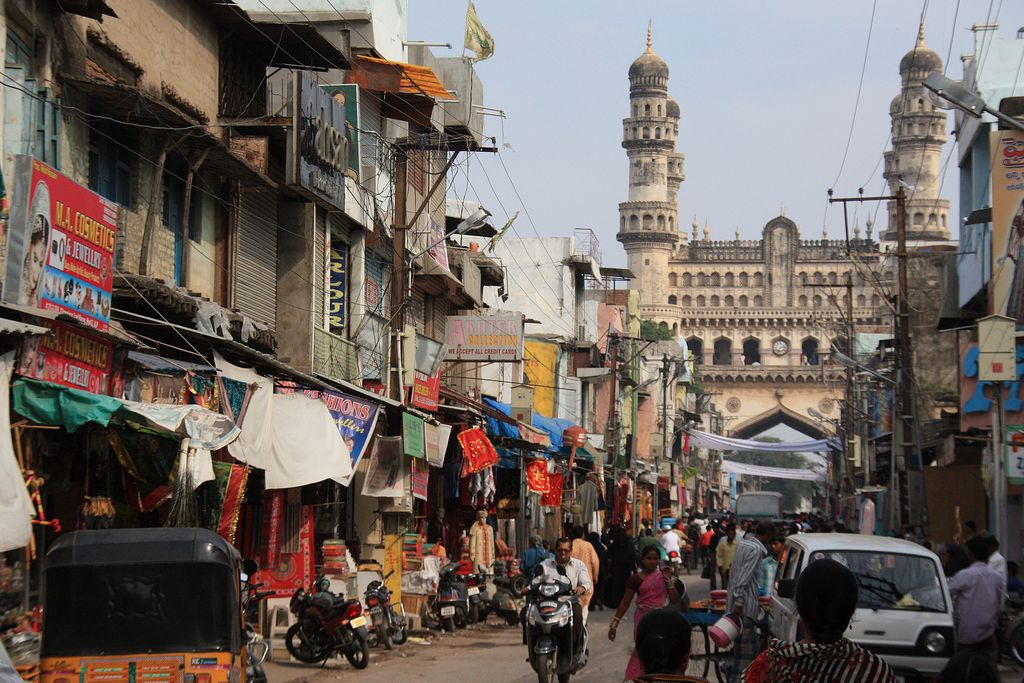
477 39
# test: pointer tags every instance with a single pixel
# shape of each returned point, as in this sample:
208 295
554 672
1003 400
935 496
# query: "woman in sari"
653 589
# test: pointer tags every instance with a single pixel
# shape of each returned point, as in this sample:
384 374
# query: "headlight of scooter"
548 589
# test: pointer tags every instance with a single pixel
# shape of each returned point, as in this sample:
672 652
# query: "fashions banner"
478 450
1007 295
774 472
60 245
355 417
385 475
69 357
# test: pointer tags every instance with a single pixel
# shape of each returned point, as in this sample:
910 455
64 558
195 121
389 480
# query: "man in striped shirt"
826 598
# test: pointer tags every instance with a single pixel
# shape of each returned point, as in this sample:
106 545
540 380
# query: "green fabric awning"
51 404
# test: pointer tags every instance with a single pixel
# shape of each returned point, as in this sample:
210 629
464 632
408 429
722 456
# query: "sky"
767 93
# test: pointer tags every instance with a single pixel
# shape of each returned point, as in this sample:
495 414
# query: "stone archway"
779 415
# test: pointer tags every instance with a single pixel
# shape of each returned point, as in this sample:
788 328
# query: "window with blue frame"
32 118
175 174
112 161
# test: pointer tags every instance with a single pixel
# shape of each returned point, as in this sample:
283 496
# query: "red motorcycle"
327 623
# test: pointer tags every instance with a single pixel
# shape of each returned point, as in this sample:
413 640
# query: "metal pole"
999 456
903 356
398 280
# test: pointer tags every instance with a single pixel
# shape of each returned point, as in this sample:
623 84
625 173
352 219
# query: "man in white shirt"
996 561
577 573
669 539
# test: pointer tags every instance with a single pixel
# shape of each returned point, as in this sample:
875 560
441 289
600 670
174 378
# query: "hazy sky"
767 92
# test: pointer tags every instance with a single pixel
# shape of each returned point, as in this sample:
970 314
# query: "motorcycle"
388 624
326 624
510 569
256 647
450 605
553 652
676 562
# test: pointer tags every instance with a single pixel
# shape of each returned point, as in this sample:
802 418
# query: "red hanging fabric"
537 479
477 449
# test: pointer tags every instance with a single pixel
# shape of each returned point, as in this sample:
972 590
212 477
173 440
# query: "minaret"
918 135
649 219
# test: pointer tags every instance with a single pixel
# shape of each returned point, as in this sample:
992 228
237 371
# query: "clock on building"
780 347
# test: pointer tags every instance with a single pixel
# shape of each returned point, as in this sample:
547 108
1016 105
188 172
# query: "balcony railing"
335 357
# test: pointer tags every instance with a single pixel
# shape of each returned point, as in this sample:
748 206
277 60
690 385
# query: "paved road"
489 652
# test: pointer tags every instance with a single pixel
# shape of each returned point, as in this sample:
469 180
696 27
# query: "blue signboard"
337 294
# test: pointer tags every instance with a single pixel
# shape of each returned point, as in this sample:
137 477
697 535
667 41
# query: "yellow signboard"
393 566
539 366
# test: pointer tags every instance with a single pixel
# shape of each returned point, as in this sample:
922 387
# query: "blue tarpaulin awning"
553 426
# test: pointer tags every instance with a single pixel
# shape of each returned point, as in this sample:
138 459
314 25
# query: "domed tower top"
648 71
920 61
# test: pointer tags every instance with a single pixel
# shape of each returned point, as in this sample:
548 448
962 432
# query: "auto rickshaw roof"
141 546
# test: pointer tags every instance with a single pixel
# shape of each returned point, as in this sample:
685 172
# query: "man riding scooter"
577 573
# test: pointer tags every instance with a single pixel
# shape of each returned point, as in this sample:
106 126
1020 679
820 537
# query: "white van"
904 613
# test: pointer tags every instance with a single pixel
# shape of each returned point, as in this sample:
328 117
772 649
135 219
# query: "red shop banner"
477 449
537 476
60 245
70 357
426 391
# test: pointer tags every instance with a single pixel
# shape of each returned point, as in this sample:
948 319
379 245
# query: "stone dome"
896 106
672 108
922 57
646 65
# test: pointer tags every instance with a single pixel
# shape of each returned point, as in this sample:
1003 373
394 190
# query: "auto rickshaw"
134 605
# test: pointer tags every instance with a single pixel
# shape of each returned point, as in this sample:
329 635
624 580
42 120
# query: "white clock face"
780 347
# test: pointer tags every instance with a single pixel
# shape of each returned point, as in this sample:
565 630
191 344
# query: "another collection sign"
493 338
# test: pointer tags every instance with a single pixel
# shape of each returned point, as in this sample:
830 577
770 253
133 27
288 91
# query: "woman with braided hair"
826 598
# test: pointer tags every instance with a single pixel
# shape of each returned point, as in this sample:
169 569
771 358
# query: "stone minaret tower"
649 219
918 135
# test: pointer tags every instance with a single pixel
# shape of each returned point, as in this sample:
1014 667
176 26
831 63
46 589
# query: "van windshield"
892 581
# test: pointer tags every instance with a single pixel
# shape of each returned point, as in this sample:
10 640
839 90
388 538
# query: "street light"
949 91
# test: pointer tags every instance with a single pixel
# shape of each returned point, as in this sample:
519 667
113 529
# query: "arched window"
802 301
636 109
803 279
673 280
809 351
723 352
817 301
743 301
833 279
687 280
671 223
663 325
918 218
862 300
696 347
672 301
634 223
647 110
661 222
675 329
932 219
715 280
758 301
648 221
714 300
657 133
701 282
920 104
729 301
647 132
701 302
744 280
659 110
876 300
751 352
819 279
687 301
635 129
730 280
759 279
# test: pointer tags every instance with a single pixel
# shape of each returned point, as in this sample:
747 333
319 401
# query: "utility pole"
398 277
903 403
666 364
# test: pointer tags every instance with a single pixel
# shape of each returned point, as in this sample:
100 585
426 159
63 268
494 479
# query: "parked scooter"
450 605
327 623
388 624
505 601
256 647
476 587
510 569
553 652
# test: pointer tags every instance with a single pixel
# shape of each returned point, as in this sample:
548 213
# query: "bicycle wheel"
700 652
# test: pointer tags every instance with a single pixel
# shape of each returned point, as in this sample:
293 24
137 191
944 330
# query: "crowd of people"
622 571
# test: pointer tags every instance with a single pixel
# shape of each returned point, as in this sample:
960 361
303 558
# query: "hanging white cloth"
774 472
715 442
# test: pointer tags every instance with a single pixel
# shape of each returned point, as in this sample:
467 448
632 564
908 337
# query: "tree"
652 331
793 491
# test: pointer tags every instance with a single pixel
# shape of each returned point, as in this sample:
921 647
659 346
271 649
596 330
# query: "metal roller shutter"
255 256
